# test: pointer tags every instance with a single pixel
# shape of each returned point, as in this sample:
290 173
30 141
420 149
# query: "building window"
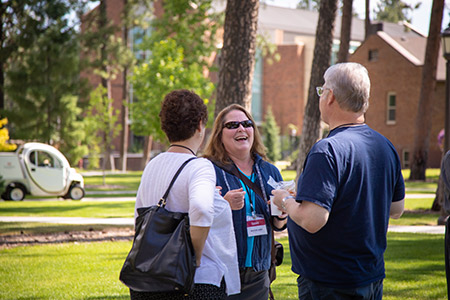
334 52
391 108
373 55
405 159
257 88
137 38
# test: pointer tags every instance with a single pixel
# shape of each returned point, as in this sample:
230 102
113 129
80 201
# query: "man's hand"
278 195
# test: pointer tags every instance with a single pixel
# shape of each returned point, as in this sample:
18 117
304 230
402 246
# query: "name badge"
256 225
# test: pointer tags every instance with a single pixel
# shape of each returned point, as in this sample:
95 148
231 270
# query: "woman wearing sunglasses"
238 154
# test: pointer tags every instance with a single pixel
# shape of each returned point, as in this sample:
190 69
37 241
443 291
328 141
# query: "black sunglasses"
235 124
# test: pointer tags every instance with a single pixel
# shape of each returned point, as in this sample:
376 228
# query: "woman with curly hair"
183 119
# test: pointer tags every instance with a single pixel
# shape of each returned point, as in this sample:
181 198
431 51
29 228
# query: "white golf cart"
39 170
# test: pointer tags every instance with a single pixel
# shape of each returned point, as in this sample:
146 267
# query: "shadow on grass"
108 297
9 228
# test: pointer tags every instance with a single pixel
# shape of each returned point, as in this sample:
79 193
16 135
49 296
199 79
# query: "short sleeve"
202 184
318 182
399 192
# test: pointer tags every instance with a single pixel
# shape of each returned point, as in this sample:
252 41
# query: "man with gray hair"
351 184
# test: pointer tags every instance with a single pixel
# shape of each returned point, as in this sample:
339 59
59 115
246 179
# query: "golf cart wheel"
76 192
15 193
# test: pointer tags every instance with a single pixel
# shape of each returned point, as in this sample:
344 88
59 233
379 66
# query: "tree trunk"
425 109
367 24
346 27
321 61
124 112
147 150
106 83
237 59
2 63
438 202
125 130
2 90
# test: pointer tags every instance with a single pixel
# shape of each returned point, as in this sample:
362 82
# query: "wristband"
281 219
283 202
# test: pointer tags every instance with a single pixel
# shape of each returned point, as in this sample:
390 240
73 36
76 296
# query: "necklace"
347 124
344 125
181 146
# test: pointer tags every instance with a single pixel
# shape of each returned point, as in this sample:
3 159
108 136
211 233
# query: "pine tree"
43 85
238 54
271 136
394 11
321 61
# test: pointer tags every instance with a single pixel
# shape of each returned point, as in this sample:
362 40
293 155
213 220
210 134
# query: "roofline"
415 29
399 48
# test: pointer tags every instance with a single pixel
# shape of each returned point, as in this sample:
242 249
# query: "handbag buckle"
162 202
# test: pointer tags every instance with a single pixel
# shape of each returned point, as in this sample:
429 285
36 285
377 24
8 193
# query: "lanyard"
251 195
262 192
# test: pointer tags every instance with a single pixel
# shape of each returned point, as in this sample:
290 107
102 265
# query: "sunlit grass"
87 209
119 181
63 271
414 270
414 262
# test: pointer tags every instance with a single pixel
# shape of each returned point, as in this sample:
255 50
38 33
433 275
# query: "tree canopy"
165 71
394 11
43 84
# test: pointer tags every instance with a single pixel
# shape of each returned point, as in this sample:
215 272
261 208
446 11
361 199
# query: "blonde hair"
215 150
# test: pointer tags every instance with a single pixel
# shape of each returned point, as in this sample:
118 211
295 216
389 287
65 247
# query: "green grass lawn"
88 209
130 181
117 181
414 264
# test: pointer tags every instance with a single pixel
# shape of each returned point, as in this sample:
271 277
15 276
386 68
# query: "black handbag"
162 258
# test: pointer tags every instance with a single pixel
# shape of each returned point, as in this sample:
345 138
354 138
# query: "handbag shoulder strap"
232 169
162 202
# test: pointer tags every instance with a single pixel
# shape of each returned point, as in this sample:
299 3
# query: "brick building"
395 64
394 57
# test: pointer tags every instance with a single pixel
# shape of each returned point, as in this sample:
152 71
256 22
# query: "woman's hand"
235 198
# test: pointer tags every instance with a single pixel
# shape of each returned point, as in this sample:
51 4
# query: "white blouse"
194 192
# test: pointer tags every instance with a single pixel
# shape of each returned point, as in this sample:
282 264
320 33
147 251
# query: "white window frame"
390 107
406 159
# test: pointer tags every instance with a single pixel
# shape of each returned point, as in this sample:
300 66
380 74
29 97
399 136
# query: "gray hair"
350 84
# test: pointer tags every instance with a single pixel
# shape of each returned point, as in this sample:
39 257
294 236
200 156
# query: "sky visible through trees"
420 17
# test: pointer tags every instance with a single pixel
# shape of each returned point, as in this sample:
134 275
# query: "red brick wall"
283 87
392 72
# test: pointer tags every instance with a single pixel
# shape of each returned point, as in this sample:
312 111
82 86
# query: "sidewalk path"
435 229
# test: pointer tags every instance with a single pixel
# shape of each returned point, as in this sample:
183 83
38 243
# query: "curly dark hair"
181 113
